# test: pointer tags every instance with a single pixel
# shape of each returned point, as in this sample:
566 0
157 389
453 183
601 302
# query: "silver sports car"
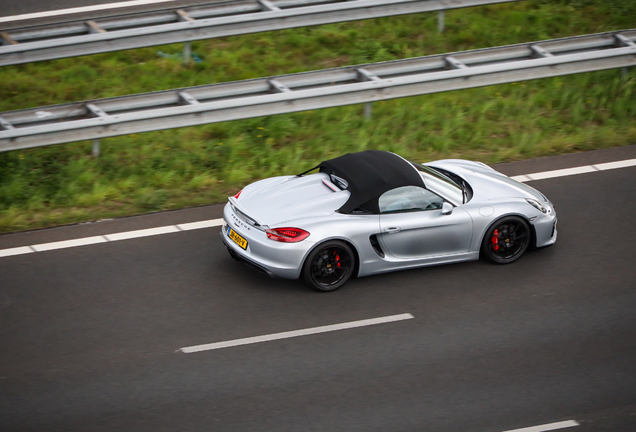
374 211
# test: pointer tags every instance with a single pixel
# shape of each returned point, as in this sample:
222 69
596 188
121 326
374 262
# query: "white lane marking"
16 251
547 427
576 170
80 10
68 243
614 165
142 233
110 237
218 222
521 178
296 333
198 225
561 173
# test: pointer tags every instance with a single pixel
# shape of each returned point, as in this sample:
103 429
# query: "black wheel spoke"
507 240
330 266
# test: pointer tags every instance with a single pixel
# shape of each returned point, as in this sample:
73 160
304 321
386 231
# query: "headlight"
536 204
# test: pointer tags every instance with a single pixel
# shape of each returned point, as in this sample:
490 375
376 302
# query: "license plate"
236 238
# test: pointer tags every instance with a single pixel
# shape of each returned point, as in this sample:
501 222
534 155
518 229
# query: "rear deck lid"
278 200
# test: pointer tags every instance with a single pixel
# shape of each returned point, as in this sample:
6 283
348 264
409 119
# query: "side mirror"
447 208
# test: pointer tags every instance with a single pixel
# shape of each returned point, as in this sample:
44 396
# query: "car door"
413 226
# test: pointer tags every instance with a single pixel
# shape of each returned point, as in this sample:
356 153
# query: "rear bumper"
283 260
285 270
242 259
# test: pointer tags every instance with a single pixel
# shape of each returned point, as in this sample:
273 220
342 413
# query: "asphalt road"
12 8
89 336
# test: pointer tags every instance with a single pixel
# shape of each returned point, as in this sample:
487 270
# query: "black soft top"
369 174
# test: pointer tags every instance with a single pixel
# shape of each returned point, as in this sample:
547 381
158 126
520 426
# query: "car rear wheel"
329 266
506 240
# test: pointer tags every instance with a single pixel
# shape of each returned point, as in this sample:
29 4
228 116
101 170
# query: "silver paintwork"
412 239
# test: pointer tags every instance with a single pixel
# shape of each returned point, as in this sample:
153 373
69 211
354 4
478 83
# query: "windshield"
440 184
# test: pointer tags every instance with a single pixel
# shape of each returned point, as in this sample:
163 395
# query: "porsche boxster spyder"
374 211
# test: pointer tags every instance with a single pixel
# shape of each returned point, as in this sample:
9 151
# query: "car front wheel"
506 240
329 266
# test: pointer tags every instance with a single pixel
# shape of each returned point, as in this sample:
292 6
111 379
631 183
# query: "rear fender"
354 230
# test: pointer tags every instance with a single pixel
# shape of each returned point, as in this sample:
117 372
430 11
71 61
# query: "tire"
329 266
506 240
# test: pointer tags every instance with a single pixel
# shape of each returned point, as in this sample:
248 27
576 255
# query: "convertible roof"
369 174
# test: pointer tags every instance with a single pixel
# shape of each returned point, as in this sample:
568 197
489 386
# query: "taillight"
239 193
287 235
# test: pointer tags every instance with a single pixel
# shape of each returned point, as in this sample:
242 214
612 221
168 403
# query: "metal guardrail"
25 45
312 90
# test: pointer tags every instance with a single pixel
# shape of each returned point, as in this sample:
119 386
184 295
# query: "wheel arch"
356 254
533 234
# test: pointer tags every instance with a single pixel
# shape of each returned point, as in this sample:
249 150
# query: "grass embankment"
200 165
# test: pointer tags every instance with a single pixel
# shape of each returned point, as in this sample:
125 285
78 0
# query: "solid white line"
547 427
203 224
296 333
218 222
561 173
521 178
111 237
142 233
614 165
69 243
15 251
80 10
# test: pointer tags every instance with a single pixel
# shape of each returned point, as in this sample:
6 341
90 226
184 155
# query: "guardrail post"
440 21
367 110
96 148
187 52
366 75
623 41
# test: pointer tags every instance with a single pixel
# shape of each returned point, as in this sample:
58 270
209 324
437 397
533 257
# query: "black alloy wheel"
506 240
329 266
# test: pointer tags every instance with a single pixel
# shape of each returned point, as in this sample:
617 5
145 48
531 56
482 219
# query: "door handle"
392 230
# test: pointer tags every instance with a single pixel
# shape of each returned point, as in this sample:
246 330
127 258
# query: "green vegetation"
201 165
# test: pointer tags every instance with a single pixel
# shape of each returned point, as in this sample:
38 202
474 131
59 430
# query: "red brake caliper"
337 259
495 240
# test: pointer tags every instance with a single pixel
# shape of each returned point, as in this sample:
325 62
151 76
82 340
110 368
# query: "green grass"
201 165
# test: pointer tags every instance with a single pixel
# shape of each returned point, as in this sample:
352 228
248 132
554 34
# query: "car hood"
277 200
487 183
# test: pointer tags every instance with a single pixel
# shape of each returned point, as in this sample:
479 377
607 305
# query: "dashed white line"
82 9
296 333
547 427
219 222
